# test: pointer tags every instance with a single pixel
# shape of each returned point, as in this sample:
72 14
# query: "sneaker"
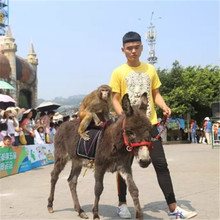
123 211
180 213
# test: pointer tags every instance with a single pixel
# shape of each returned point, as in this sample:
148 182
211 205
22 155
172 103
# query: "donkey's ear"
126 105
144 102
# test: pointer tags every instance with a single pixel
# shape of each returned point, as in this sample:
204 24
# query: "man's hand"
166 110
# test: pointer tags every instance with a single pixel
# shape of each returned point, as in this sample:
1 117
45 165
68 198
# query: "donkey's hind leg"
73 177
99 176
59 164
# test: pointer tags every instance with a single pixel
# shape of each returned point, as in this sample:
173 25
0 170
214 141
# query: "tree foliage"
190 89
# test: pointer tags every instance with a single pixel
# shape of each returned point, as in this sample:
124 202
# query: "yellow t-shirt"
135 81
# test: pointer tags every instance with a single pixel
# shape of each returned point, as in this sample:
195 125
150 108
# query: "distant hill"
73 101
69 106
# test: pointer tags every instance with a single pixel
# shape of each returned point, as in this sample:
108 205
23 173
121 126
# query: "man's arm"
159 101
116 103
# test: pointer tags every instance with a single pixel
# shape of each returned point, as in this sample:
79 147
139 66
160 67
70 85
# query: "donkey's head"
137 130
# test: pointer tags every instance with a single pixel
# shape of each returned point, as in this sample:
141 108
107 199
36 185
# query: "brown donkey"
121 139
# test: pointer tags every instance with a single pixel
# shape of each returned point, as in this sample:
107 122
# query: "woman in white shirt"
9 118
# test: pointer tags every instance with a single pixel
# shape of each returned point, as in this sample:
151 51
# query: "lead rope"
162 130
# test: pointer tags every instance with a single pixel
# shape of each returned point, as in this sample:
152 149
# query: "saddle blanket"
87 149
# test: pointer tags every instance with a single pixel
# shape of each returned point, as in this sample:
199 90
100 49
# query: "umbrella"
6 101
57 116
47 106
5 85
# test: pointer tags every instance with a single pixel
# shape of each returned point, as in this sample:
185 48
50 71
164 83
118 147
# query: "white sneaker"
180 213
123 211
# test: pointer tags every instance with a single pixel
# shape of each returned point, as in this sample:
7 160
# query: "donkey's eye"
130 133
147 133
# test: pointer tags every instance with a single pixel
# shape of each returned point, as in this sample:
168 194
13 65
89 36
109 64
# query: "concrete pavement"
195 174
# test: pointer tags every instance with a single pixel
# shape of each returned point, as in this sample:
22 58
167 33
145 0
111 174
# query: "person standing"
27 126
52 131
8 117
208 128
193 131
46 121
18 129
135 77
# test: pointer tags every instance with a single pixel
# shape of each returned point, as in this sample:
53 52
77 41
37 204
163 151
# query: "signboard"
11 159
40 155
19 159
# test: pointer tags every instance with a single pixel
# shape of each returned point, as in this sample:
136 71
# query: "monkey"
95 106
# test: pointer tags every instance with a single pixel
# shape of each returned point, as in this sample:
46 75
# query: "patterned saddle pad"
87 149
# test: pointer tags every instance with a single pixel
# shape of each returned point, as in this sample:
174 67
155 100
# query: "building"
19 72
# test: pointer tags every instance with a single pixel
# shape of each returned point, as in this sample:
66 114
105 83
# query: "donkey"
128 136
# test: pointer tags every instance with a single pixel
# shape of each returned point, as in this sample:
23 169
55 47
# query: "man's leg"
122 189
161 167
164 180
122 208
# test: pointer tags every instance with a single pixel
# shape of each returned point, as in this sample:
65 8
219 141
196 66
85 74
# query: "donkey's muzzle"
144 163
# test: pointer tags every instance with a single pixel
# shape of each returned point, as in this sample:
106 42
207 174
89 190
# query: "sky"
78 43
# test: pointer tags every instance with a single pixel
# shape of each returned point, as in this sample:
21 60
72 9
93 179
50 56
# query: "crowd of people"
40 127
27 127
206 133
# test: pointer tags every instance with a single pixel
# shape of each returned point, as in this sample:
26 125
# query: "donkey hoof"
50 209
96 216
83 215
139 215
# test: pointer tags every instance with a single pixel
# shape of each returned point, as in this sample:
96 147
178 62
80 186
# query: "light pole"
151 38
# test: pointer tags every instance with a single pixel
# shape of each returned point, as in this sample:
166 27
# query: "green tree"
190 89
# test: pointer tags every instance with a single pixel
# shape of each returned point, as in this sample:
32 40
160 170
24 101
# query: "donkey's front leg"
59 164
99 175
133 190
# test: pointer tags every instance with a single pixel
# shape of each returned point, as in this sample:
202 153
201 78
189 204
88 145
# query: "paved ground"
195 174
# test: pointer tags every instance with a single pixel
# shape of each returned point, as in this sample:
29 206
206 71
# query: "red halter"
130 146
